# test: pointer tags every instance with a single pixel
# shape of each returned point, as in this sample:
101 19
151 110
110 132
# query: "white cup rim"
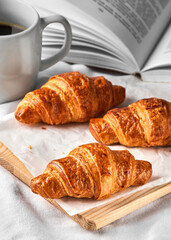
27 30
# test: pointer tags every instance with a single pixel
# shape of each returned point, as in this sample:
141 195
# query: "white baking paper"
36 145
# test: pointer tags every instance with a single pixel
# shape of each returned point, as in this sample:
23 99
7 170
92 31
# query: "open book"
129 36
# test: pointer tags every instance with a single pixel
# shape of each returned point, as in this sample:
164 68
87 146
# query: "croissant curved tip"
48 186
143 172
27 115
35 184
92 130
119 94
102 132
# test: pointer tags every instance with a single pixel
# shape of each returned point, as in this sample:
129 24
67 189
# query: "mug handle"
46 63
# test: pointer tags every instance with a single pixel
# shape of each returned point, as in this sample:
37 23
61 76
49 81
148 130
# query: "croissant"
144 123
69 97
91 171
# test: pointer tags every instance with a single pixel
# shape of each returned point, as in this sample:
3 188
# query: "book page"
157 75
139 24
161 56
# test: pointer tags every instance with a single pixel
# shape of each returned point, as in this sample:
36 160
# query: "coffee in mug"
10 28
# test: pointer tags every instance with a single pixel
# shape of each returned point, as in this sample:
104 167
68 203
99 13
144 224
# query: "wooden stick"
101 216
9 161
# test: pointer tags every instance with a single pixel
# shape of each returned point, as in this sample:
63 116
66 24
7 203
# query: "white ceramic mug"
20 53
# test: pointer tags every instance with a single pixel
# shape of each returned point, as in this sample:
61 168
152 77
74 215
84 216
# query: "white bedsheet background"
24 215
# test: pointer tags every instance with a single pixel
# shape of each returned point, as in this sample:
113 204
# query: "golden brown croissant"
144 123
91 170
69 97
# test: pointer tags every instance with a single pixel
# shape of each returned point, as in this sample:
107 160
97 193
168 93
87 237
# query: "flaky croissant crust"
144 123
69 97
91 171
